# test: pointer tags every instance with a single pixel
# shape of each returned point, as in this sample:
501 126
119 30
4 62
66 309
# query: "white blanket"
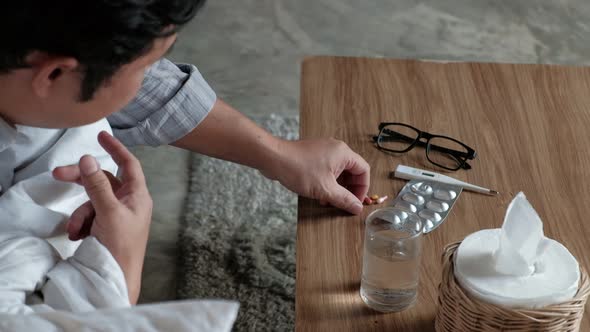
177 316
48 283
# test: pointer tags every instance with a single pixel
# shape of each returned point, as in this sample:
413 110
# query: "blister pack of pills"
431 201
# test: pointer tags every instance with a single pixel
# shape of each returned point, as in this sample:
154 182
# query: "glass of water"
391 259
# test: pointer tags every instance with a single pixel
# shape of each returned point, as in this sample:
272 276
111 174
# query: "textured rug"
238 238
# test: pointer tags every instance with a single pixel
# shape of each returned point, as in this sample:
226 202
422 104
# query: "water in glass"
391 260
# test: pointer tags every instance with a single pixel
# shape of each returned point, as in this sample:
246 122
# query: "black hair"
102 35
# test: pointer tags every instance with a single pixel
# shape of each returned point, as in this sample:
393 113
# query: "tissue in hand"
517 266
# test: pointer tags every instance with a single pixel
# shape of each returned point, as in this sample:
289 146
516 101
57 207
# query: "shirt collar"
8 134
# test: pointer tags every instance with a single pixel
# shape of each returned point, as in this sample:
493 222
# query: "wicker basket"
458 311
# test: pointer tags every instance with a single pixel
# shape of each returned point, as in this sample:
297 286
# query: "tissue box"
458 311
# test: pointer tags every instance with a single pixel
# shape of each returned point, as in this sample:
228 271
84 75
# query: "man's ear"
47 70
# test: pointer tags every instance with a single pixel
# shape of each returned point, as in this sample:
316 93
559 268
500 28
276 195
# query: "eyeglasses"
443 151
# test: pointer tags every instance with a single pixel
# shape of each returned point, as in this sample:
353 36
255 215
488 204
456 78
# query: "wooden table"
528 123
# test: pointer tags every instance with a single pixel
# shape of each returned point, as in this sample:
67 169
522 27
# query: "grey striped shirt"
172 101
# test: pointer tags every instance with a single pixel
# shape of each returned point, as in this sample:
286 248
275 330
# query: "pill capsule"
437 206
405 206
430 215
413 198
422 188
374 197
391 219
429 225
446 195
402 215
382 199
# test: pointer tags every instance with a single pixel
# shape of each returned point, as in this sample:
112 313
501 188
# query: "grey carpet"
238 238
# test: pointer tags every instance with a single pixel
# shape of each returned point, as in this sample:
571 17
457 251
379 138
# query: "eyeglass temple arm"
393 136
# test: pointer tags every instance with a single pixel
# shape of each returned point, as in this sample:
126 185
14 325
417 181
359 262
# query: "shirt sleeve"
173 100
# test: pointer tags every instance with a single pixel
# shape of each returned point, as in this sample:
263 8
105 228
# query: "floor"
250 52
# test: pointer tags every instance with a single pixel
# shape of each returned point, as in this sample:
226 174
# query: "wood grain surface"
528 124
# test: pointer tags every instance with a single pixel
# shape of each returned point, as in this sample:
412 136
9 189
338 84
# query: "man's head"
68 63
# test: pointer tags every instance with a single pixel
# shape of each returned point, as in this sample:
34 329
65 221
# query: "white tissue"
521 234
517 266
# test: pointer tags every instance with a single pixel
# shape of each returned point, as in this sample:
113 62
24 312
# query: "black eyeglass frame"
423 140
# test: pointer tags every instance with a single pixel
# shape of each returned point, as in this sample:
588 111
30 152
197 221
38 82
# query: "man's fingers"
115 182
358 175
86 228
82 215
130 167
359 191
357 184
70 173
97 185
341 198
356 165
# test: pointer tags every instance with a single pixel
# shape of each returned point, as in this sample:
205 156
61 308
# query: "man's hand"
119 211
323 169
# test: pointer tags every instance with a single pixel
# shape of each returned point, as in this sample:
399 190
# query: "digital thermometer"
410 173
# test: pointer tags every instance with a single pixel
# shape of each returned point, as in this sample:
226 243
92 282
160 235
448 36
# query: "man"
67 66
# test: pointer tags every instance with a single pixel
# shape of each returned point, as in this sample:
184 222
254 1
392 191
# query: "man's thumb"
97 185
343 199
